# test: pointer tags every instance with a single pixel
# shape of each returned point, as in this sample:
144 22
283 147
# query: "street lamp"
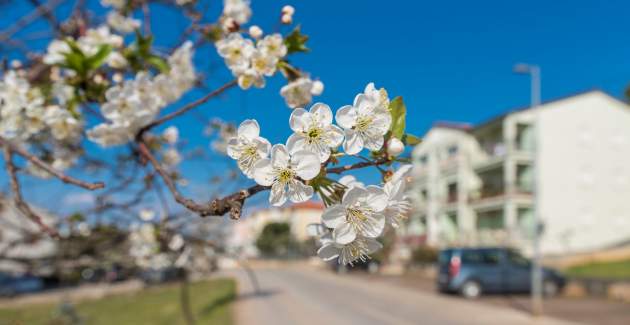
534 72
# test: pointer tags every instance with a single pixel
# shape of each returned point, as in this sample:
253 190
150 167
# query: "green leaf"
296 41
399 113
74 61
410 139
159 63
95 61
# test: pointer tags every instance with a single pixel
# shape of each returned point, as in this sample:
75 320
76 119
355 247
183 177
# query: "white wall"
584 179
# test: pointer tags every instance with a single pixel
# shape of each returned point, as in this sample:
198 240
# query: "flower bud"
287 19
171 134
288 10
255 31
317 88
395 147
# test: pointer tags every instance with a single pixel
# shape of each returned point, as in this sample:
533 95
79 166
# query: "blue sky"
450 60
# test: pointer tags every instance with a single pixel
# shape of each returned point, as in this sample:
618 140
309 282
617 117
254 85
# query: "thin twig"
17 195
45 166
339 170
188 107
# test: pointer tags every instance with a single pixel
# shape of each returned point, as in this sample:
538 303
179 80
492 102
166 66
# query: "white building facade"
476 185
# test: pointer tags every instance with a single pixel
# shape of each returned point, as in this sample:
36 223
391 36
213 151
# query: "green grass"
210 303
604 270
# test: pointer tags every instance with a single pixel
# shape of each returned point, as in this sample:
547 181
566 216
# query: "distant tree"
275 239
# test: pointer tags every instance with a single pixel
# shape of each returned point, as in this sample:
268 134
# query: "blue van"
473 271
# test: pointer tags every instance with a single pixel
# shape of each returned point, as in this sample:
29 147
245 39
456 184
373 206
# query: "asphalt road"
302 295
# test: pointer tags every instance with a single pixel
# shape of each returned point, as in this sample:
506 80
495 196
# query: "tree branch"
45 166
188 107
17 195
363 164
232 203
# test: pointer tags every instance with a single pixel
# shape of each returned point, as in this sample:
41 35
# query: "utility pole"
536 277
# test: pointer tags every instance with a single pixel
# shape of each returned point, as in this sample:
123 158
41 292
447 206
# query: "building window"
452 193
452 150
492 220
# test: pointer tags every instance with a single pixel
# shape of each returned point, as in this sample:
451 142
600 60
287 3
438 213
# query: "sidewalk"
583 310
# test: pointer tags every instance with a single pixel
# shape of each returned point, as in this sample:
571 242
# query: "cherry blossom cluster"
136 102
27 115
292 170
252 59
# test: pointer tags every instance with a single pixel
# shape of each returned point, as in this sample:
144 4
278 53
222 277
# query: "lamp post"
536 277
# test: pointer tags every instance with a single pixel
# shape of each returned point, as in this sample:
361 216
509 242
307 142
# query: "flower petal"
333 216
296 142
353 195
249 129
334 136
344 234
353 144
297 122
376 198
232 148
299 192
328 252
346 116
307 164
279 156
278 194
263 172
373 227
374 143
322 113
263 146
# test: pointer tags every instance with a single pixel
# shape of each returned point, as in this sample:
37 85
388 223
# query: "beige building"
474 185
298 216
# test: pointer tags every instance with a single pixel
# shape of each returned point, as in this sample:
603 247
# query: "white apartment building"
474 185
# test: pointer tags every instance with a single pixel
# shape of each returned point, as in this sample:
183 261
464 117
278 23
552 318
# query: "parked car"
474 271
14 285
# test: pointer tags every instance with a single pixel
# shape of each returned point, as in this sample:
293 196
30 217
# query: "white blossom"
255 31
239 10
360 213
171 134
250 77
317 88
314 131
21 108
298 92
286 19
273 45
171 157
55 52
398 203
248 147
366 121
63 125
357 250
236 51
285 172
176 242
288 10
122 23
